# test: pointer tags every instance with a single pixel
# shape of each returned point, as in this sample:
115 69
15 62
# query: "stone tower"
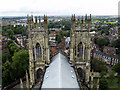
80 47
38 48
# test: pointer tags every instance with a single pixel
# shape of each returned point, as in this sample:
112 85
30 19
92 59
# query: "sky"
58 7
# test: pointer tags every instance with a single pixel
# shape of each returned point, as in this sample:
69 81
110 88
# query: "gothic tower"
80 47
38 48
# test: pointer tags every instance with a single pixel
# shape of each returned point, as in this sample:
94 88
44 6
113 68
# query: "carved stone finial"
79 20
86 18
82 19
40 21
28 19
36 20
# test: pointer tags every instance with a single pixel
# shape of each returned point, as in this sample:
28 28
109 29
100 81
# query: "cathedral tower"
38 48
80 47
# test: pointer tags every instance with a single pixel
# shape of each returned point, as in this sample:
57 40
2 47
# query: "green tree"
112 76
116 44
98 66
6 57
58 38
20 63
10 34
6 73
61 34
101 41
103 83
116 68
67 34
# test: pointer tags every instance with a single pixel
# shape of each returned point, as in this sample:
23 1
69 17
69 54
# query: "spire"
27 19
36 20
21 83
82 19
32 22
90 19
78 20
45 19
90 16
32 18
27 80
74 17
98 84
86 18
40 22
45 24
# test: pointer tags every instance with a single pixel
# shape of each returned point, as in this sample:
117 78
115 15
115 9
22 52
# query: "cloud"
56 7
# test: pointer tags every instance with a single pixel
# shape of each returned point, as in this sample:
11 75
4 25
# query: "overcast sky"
58 7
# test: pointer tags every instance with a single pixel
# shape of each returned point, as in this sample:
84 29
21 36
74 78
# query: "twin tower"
39 53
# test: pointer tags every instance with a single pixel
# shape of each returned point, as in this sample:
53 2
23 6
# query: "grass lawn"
110 22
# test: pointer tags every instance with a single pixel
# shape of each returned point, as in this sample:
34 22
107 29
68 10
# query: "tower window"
38 51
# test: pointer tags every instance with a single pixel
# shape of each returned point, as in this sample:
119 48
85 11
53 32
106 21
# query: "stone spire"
98 84
36 23
73 23
74 17
36 20
86 18
82 20
40 22
21 84
32 22
89 22
78 20
90 17
45 24
27 81
28 19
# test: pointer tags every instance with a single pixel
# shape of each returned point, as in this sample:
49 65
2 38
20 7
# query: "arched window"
80 50
81 75
85 53
38 51
33 54
80 72
39 74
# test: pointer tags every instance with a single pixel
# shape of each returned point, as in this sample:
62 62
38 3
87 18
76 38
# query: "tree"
20 63
112 76
67 34
61 34
116 68
101 41
98 66
6 73
58 38
116 44
12 47
6 57
103 83
10 34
